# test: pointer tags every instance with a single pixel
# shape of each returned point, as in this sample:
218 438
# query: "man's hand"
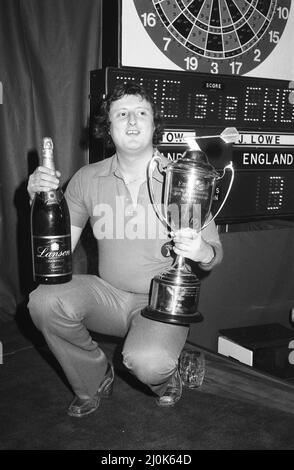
43 179
190 244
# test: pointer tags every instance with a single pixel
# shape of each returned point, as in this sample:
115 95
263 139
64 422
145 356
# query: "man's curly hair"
101 122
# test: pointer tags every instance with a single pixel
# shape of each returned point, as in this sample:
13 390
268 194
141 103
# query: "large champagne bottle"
50 231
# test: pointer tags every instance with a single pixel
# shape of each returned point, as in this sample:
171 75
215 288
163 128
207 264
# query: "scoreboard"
203 105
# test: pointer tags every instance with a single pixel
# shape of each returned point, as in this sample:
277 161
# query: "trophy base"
158 315
174 297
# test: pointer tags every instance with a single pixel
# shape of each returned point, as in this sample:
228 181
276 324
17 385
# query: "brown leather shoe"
173 392
80 407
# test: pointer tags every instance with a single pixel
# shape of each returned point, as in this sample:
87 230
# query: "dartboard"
215 36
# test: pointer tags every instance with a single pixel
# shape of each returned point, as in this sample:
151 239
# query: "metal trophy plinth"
174 296
188 194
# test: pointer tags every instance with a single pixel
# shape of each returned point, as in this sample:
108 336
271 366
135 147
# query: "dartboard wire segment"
215 36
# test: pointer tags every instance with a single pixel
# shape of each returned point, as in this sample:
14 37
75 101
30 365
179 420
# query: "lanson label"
52 255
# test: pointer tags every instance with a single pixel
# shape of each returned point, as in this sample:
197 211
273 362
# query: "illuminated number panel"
201 104
215 36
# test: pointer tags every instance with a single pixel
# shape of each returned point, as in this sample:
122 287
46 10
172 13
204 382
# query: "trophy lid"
196 159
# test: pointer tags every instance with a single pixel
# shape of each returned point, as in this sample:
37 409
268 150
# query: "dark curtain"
47 49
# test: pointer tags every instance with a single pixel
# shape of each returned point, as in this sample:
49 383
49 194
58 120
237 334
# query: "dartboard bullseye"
215 36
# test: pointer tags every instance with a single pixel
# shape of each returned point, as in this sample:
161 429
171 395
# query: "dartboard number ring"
215 36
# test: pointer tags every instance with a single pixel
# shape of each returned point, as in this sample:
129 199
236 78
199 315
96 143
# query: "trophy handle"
231 168
156 160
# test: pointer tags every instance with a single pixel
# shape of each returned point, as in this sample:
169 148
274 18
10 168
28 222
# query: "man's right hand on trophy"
190 244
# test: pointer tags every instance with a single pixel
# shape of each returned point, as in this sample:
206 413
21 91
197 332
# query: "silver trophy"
189 190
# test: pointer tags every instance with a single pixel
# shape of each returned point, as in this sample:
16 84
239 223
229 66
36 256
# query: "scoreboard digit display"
200 105
190 100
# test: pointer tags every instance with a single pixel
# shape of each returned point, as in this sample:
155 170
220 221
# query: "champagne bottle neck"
54 196
47 153
48 162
